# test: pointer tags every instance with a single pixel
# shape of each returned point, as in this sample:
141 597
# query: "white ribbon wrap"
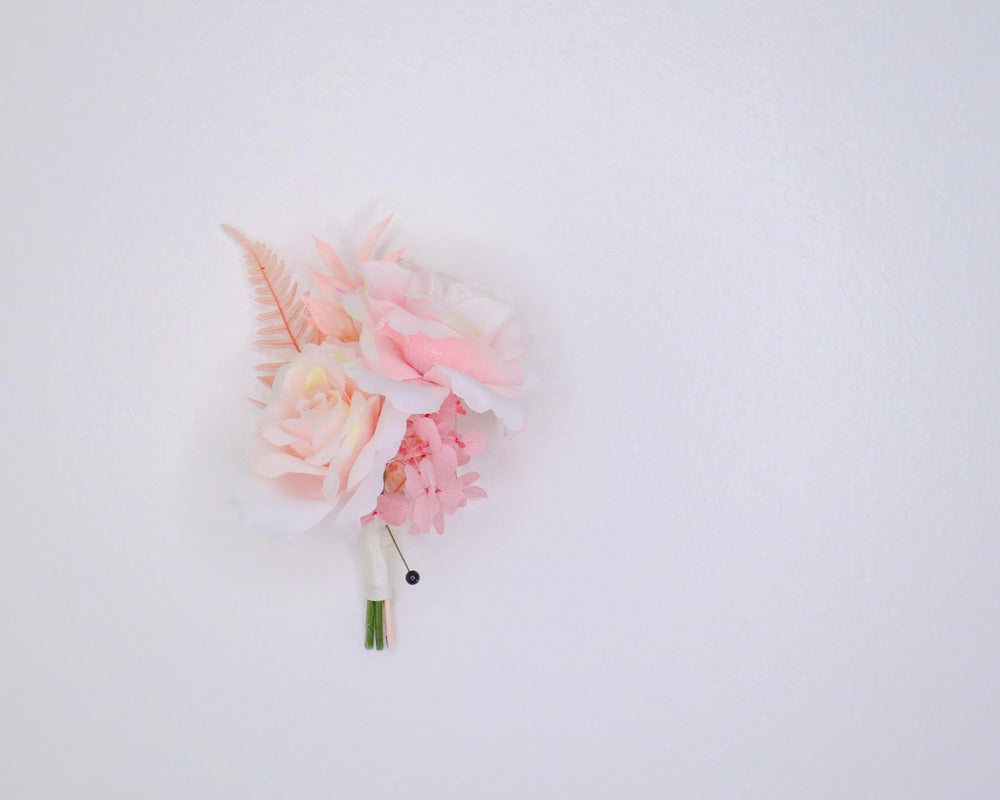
376 551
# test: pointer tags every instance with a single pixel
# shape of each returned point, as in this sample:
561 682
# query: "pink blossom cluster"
422 482
363 421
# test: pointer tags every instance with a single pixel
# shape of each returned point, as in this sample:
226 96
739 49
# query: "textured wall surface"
748 546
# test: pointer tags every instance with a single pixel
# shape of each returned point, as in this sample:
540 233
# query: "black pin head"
413 577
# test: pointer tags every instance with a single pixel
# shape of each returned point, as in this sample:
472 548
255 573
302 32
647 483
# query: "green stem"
370 626
379 626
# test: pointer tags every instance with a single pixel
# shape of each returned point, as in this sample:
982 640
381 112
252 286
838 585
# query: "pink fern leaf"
284 322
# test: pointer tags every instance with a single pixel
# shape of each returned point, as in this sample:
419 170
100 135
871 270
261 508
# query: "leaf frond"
284 323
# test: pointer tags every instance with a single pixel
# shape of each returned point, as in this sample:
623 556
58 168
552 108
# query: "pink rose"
425 335
325 441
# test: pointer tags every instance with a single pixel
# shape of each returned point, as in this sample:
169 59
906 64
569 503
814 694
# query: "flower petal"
445 461
475 493
481 398
423 512
411 398
275 464
369 245
383 445
473 442
332 261
427 430
393 507
330 318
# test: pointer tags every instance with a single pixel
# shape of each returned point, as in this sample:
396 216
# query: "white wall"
747 547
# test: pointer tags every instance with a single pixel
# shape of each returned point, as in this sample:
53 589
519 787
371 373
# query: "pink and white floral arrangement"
376 374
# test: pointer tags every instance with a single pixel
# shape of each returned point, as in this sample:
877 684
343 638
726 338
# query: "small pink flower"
464 445
437 490
451 408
